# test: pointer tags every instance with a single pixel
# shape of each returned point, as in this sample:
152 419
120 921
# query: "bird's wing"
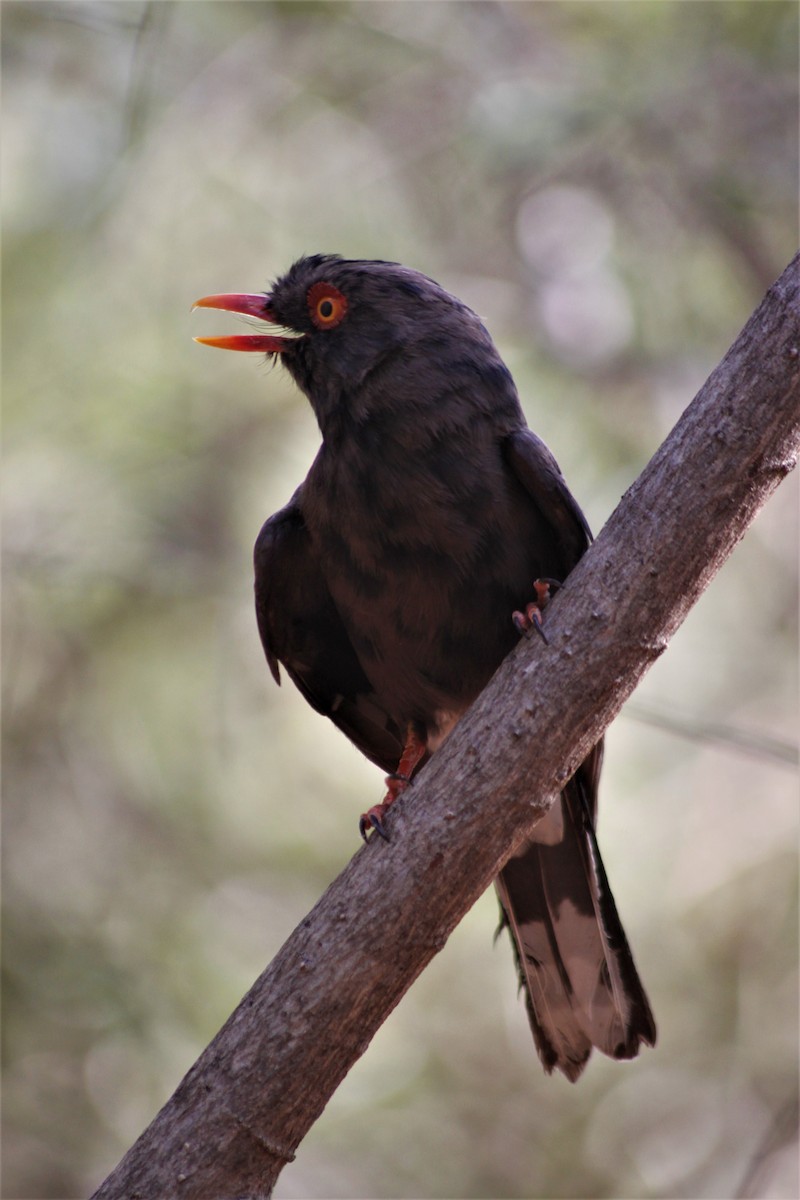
535 468
301 629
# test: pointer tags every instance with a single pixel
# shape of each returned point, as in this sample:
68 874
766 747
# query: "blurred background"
613 187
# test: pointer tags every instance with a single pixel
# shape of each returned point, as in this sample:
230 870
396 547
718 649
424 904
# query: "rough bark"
243 1108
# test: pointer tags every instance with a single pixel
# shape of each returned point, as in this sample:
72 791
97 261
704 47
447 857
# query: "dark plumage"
386 585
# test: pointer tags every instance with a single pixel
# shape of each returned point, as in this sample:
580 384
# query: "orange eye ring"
326 305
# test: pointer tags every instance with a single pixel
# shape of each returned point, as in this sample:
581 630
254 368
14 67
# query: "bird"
429 532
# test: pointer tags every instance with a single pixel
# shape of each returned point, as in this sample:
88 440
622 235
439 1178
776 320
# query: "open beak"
250 306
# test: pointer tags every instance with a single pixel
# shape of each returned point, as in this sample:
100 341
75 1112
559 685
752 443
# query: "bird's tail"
581 984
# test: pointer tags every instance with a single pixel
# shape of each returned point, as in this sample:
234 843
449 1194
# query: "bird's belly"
428 640
425 580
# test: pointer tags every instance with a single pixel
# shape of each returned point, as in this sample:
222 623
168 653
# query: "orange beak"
250 306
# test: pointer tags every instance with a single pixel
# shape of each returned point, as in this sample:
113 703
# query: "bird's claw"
413 750
531 618
373 819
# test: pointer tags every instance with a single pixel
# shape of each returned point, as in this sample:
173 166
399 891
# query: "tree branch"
243 1108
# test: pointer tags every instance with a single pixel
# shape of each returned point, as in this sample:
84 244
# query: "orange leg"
531 618
413 751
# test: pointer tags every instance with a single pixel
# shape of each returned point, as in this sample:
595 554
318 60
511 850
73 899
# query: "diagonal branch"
243 1108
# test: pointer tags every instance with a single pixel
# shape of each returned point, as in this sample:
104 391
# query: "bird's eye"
326 304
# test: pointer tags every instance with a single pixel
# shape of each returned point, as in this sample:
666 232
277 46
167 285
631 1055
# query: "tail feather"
575 965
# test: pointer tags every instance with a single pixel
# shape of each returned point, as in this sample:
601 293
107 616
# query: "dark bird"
399 575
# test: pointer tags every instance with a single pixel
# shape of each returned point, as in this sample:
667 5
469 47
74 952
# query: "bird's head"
355 333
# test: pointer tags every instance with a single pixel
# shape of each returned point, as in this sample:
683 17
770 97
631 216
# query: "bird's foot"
413 751
531 618
373 818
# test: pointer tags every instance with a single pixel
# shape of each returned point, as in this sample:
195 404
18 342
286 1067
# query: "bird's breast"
423 559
